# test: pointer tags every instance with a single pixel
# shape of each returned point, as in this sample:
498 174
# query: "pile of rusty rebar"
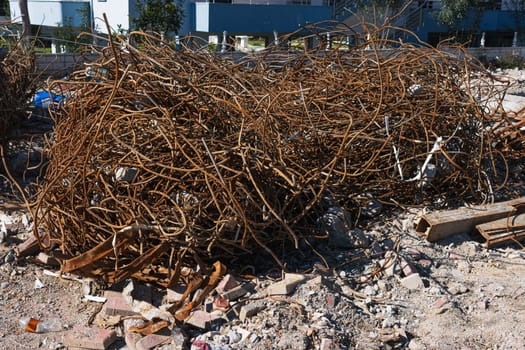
17 83
165 158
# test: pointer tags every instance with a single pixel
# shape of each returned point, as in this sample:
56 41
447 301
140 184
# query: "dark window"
489 5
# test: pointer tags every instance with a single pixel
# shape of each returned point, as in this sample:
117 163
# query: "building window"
489 5
426 4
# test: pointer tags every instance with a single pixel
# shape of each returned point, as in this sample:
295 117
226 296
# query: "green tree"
379 11
68 36
517 7
453 11
4 8
161 16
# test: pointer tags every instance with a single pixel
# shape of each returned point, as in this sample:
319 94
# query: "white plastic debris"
415 90
125 174
39 284
95 298
423 170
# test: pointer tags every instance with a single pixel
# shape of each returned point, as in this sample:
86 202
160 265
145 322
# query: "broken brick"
116 304
204 320
28 247
46 259
90 338
132 339
439 303
175 293
151 341
234 293
331 300
227 283
406 267
425 263
221 303
454 256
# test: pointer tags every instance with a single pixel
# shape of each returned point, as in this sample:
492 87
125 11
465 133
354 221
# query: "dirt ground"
470 297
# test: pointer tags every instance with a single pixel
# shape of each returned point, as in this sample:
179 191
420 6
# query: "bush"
508 62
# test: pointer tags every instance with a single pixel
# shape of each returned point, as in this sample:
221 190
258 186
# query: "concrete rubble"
392 295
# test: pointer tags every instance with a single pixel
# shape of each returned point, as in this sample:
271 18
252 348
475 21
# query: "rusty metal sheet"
503 230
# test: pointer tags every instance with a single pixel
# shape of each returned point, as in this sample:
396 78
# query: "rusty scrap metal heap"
17 83
164 159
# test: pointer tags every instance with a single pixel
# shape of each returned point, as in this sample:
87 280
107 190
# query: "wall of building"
256 18
117 13
499 27
50 12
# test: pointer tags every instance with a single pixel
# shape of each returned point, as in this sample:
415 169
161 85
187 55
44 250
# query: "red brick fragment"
90 338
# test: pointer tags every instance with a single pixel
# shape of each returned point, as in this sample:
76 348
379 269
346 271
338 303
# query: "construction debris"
440 224
508 230
497 223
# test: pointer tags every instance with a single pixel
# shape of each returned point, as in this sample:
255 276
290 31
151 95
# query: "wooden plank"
504 230
440 224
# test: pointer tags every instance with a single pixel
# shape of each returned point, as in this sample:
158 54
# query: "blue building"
491 24
498 23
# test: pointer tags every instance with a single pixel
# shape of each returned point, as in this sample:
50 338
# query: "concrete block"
317 281
46 259
233 313
151 341
412 282
287 285
90 338
249 310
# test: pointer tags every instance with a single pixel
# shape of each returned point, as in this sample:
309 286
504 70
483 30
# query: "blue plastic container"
44 98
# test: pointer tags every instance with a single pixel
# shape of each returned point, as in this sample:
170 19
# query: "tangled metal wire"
165 158
17 83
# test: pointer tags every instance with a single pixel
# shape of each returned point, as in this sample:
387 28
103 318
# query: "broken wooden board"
505 230
440 224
